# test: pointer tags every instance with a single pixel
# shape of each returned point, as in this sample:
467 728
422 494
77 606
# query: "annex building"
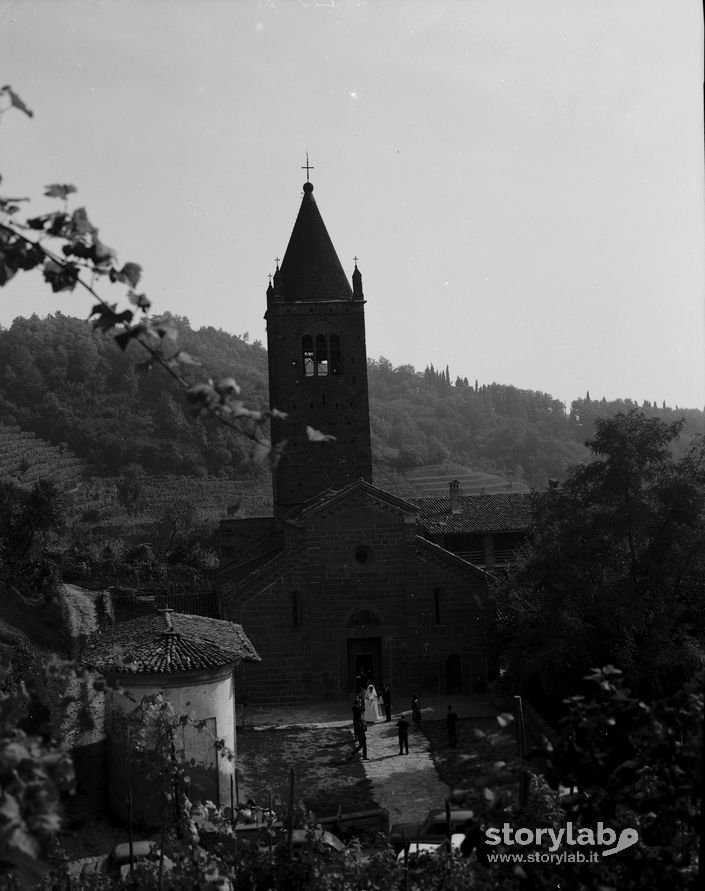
345 577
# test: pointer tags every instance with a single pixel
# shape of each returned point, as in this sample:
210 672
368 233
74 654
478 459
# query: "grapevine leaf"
316 435
186 358
41 221
59 190
227 386
102 254
61 277
80 224
261 452
124 337
167 330
139 300
131 274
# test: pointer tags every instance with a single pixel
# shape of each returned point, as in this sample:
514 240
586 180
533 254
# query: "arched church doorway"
364 662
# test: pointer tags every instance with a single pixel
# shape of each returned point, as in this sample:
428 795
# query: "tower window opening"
307 352
321 356
322 364
335 362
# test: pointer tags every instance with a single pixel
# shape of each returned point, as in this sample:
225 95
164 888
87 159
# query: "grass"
324 776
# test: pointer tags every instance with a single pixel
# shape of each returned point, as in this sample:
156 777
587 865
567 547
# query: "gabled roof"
167 643
428 550
476 514
331 497
311 269
261 576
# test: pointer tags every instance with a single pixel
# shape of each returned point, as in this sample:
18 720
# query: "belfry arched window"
322 367
335 363
321 355
307 354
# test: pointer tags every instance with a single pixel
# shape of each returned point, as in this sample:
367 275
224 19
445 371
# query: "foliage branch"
67 247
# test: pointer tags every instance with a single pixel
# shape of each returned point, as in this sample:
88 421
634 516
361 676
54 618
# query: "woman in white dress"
373 710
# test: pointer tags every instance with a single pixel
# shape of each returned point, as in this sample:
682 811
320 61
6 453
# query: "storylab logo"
569 844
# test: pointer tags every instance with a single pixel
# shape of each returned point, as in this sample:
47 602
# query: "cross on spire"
355 261
307 168
276 260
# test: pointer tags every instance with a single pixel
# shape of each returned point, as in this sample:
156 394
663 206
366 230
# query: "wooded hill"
75 389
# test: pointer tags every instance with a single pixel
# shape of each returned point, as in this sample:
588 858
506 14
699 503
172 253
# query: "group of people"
370 708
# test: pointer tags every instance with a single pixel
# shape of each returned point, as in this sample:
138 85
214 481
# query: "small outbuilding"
179 670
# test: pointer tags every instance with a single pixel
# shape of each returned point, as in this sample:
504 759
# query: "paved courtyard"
407 786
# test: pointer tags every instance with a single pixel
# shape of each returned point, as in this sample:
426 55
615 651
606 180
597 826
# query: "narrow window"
336 365
437 605
294 610
307 352
321 355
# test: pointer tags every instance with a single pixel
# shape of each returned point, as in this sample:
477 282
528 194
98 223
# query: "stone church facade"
342 578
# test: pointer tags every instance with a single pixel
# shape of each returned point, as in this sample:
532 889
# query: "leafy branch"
82 259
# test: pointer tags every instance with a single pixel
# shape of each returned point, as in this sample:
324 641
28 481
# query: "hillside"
65 384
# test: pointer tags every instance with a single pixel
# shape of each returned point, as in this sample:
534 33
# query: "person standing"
361 737
403 729
415 708
373 713
452 727
356 711
387 699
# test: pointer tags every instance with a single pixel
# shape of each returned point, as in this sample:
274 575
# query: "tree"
28 519
615 569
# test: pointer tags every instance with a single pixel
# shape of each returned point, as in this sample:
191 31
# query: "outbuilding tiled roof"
311 269
168 642
475 514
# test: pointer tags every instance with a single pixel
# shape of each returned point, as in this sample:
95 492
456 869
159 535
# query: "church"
346 578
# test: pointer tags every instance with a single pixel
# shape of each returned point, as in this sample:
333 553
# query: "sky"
521 180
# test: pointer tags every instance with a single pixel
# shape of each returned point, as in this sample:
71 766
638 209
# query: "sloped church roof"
311 269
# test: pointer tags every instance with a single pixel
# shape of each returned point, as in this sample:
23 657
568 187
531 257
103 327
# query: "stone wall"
364 578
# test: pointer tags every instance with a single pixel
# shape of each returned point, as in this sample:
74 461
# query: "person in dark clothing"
452 726
387 700
361 737
415 708
356 712
403 728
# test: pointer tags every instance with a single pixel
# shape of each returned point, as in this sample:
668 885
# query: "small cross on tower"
307 168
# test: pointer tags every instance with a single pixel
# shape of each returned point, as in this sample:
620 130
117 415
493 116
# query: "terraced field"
24 460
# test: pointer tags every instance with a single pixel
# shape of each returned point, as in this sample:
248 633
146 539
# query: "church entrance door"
364 660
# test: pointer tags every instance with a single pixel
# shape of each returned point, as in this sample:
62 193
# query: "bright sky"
522 180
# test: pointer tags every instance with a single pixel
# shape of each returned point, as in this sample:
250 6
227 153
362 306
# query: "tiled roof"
311 269
168 642
478 513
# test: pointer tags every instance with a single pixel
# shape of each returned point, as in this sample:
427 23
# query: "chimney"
455 507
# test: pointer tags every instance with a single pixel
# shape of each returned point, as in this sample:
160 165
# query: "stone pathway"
407 786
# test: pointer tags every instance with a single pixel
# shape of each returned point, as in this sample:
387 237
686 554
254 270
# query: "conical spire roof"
311 269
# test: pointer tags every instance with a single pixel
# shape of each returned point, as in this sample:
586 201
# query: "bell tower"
317 366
